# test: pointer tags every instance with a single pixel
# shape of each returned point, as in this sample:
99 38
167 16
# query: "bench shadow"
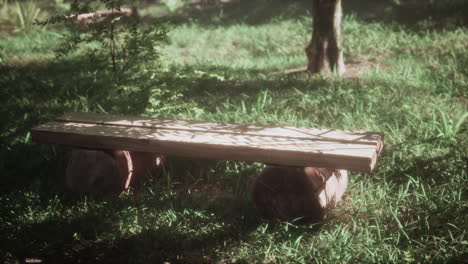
93 237
201 225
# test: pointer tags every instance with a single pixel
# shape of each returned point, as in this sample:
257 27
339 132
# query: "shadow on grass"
417 15
240 12
34 93
197 230
434 169
41 90
171 232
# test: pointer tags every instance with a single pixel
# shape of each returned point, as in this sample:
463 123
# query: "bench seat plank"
282 145
362 137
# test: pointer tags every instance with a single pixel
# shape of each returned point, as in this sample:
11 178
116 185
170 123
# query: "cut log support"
290 193
290 146
108 172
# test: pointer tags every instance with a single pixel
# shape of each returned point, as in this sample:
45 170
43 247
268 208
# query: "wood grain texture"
371 138
291 146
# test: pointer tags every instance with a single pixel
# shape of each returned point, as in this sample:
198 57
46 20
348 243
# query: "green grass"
220 67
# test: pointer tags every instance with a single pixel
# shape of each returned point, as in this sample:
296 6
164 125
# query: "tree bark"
325 52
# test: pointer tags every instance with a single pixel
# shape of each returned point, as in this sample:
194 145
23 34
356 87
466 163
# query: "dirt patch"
354 69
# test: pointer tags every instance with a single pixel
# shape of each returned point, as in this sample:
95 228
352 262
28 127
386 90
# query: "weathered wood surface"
353 150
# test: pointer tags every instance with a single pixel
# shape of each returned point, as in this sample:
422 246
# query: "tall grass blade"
458 124
20 14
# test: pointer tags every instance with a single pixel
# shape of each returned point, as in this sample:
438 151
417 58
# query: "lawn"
241 62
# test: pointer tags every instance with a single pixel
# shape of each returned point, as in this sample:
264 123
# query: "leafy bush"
113 41
121 53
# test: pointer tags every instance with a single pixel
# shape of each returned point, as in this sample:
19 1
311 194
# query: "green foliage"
448 128
27 12
114 42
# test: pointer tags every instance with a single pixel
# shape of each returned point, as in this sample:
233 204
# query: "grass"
220 67
19 15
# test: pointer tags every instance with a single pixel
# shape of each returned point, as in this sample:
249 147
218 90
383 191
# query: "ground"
407 77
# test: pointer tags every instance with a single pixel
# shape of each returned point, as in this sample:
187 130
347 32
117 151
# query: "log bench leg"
108 171
289 193
279 192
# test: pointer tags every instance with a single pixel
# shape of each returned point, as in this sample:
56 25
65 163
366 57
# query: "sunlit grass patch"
239 46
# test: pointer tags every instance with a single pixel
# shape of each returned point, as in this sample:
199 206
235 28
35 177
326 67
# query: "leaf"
116 19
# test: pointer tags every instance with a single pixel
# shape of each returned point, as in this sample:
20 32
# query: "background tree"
325 53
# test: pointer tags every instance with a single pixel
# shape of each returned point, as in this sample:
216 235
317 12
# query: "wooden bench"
289 146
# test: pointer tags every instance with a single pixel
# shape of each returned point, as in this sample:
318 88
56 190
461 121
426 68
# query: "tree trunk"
325 52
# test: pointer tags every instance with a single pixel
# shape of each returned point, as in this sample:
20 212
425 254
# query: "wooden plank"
212 144
346 136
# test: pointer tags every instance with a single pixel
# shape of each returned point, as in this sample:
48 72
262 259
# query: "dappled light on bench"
340 149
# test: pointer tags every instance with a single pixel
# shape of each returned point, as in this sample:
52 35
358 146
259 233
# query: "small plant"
111 39
447 128
27 13
20 15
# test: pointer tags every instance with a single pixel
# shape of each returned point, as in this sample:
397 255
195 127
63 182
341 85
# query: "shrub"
120 52
114 41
